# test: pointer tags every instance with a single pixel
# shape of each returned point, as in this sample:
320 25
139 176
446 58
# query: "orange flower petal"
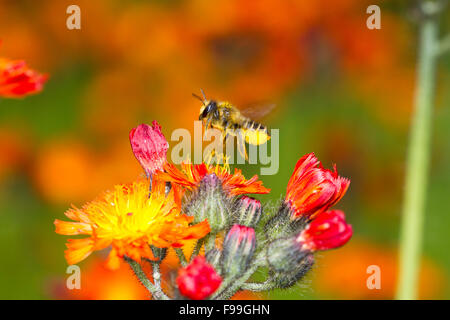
72 228
78 250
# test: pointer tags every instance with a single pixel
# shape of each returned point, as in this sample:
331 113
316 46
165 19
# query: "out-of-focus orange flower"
20 36
17 80
343 273
68 160
155 44
373 61
130 220
95 41
63 170
190 176
114 165
101 283
252 50
105 97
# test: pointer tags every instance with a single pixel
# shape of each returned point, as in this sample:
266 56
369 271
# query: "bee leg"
207 123
225 136
241 147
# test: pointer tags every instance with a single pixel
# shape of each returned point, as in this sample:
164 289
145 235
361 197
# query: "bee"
224 116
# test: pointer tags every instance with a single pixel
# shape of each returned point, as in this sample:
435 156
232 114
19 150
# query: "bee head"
207 108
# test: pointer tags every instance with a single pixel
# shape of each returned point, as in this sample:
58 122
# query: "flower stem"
256 287
181 257
196 251
156 291
156 274
231 286
418 161
210 242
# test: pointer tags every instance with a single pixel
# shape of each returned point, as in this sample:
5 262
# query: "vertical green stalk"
418 161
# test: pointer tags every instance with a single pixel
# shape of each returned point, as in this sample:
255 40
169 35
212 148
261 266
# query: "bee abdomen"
256 133
253 125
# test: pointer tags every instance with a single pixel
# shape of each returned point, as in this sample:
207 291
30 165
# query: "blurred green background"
342 91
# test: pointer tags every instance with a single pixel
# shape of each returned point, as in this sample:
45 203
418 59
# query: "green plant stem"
196 251
257 287
181 257
229 287
233 285
417 163
155 291
210 242
156 274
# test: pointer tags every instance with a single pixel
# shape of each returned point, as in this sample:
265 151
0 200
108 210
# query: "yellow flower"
129 219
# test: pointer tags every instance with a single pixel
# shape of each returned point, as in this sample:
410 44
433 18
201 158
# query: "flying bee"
227 118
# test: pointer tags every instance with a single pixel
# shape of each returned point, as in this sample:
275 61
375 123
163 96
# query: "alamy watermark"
74 280
374 280
374 20
74 20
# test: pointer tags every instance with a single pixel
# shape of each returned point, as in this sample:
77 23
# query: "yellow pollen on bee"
256 137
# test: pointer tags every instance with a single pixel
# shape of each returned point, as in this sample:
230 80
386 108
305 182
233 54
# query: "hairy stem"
181 257
196 251
156 274
210 242
155 291
418 162
231 286
257 287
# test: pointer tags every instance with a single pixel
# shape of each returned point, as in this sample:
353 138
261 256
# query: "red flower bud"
328 230
198 280
17 80
249 210
238 249
313 189
239 234
149 146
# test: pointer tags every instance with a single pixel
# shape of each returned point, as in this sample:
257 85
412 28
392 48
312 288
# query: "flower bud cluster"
241 238
303 223
210 202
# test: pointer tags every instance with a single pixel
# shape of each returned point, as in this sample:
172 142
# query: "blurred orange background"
342 91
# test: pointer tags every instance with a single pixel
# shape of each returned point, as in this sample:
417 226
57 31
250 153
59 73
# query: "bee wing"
257 111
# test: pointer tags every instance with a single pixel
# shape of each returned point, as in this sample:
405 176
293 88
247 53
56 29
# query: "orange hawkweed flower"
313 189
17 80
190 176
129 220
327 231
